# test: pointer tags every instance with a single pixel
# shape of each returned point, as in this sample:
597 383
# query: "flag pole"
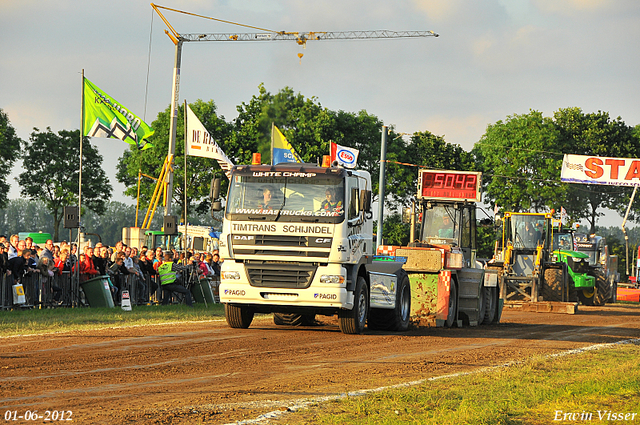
272 132
80 171
186 222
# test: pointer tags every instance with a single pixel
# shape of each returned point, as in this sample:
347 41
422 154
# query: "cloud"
568 7
460 130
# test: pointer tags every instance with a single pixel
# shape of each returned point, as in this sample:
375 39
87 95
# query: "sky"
492 59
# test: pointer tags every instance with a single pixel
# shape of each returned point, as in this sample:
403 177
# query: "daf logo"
244 237
323 240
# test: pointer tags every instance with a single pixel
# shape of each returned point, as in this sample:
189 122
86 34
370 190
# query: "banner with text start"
600 170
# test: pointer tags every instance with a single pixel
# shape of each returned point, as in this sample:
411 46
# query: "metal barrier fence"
66 291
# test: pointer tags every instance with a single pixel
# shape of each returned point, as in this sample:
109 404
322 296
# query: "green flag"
104 117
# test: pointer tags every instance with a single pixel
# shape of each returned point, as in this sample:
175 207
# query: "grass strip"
589 387
35 321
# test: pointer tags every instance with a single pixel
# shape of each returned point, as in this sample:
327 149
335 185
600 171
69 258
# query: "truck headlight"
331 278
230 275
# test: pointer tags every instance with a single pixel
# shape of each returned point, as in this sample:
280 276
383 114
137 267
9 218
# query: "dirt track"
207 372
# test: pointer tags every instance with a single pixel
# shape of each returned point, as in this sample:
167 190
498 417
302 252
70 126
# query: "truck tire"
490 300
398 318
603 288
552 285
238 316
452 311
291 319
353 321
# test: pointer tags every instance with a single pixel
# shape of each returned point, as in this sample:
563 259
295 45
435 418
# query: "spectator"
115 273
202 265
99 261
157 262
32 263
106 257
13 247
29 242
73 254
87 269
119 248
48 250
4 260
150 269
140 280
18 266
207 263
215 264
171 279
46 269
62 263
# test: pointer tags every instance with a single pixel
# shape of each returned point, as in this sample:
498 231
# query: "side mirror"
406 215
216 206
365 200
214 192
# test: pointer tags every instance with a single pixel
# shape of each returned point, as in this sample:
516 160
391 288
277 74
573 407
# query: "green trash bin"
97 292
200 288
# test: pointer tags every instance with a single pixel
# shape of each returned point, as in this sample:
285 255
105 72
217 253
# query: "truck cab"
297 239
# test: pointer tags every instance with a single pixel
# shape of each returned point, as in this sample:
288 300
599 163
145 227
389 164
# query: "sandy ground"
208 372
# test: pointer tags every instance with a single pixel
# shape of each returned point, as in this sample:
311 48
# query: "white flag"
347 157
200 143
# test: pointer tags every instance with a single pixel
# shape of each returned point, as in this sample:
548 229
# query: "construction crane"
267 35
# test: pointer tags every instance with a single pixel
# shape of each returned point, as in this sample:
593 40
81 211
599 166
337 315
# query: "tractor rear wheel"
552 285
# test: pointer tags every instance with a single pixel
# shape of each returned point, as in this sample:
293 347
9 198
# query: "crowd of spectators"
138 269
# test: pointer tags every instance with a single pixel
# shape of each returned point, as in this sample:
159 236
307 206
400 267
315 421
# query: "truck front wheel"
238 316
353 321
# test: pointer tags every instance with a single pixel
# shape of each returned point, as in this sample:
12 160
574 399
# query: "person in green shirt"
171 281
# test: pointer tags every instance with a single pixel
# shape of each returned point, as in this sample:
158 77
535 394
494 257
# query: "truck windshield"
293 199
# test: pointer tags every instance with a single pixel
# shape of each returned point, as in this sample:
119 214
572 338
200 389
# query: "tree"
52 164
304 122
200 171
424 149
598 135
521 163
9 153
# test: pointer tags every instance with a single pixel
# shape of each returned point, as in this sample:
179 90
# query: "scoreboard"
450 185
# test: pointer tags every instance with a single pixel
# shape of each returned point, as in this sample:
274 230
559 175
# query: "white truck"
297 241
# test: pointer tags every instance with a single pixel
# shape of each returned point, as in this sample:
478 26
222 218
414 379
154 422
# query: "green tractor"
604 266
581 283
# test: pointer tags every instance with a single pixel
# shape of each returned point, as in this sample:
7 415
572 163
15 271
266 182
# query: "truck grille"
280 274
272 245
